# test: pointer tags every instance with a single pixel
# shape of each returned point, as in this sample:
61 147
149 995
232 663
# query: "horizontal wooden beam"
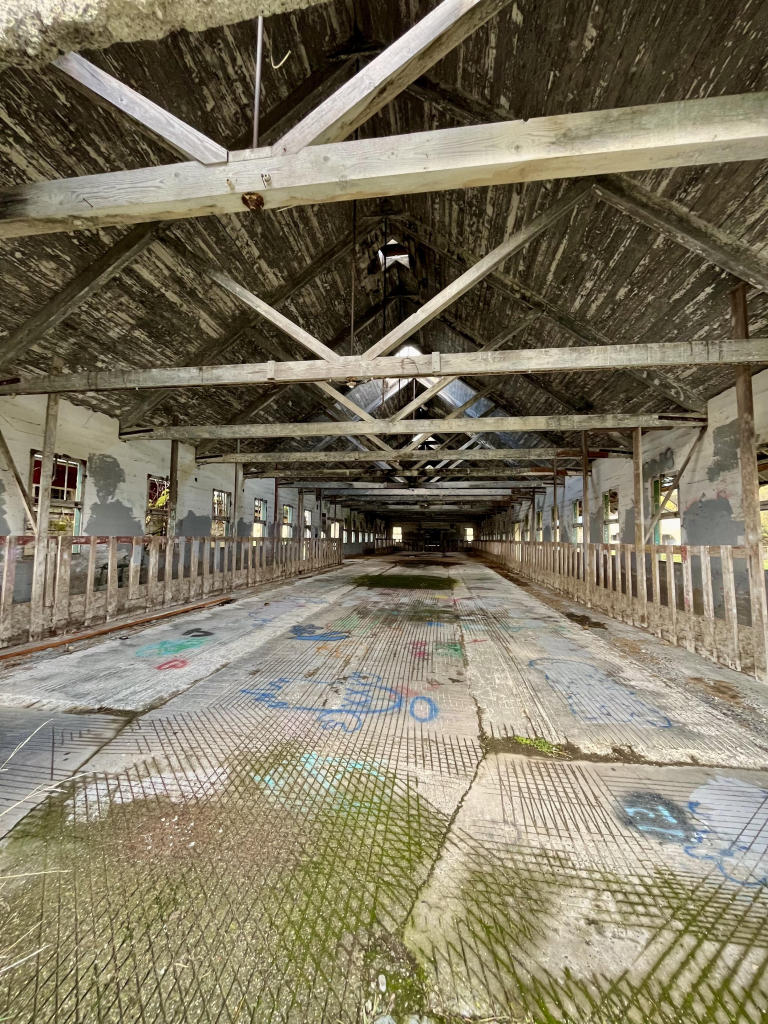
719 129
537 360
275 460
360 428
418 49
104 89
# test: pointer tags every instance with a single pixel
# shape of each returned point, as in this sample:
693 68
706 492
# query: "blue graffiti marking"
328 773
164 647
308 631
669 822
593 696
363 695
423 709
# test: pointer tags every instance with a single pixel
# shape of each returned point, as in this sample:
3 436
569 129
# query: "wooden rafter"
418 49
107 90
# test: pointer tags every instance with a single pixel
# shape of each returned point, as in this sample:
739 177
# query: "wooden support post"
637 466
585 512
173 487
43 512
300 526
750 491
275 531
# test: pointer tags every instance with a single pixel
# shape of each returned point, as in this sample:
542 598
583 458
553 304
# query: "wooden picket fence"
90 580
694 596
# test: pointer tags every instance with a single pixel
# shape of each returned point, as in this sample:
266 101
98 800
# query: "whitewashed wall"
710 489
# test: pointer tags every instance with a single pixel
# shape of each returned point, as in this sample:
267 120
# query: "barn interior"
385 391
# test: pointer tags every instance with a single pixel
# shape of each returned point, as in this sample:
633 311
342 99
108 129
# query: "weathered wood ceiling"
604 275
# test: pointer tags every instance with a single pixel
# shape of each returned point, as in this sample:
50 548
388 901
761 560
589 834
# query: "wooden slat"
99 85
153 595
717 129
195 585
60 616
690 635
90 582
708 630
111 578
169 545
134 571
729 603
10 558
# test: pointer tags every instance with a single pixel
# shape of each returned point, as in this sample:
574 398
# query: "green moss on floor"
410 582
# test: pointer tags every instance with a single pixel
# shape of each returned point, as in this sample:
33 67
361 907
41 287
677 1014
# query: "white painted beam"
395 69
102 87
719 129
351 428
544 360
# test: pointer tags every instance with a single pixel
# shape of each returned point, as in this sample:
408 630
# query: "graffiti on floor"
308 631
357 697
325 782
170 650
725 823
593 696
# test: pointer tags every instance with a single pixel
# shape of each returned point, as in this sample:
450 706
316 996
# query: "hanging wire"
257 84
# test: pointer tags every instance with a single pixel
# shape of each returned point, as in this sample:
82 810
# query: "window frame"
61 504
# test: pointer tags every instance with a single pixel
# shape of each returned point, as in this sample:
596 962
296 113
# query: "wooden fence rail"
91 580
696 596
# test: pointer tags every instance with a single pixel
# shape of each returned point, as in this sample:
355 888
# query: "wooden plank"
77 291
690 631
89 582
111 578
656 623
152 568
284 323
10 558
60 616
671 592
350 428
389 73
207 543
464 282
733 650
134 572
101 86
676 222
43 514
639 504
708 630
718 129
169 545
544 360
195 586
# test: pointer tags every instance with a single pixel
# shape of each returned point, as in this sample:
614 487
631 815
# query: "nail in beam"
750 490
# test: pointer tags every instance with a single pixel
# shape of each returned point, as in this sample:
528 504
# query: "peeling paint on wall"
193 525
107 514
725 451
710 521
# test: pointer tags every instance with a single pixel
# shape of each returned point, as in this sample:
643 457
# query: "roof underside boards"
595 276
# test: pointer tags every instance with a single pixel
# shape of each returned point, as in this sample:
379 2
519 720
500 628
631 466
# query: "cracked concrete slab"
375 782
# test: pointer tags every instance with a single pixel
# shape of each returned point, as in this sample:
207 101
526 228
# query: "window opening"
158 496
222 503
610 516
67 485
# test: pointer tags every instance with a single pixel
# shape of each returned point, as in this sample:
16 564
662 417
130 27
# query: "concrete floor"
406 786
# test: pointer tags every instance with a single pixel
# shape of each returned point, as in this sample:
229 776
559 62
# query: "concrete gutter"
37 31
